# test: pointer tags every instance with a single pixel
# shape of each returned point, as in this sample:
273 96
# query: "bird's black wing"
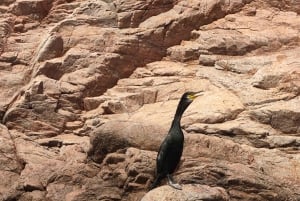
161 161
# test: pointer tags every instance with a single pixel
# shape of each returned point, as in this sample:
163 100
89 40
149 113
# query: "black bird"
170 150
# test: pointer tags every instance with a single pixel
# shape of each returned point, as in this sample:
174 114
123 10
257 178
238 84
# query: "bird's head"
186 99
190 96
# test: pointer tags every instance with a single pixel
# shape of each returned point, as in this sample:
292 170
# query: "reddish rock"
51 48
188 192
282 115
89 89
37 9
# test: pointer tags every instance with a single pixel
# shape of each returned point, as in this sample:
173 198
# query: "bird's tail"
155 183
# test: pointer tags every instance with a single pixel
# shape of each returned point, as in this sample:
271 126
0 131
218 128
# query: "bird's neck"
176 123
179 112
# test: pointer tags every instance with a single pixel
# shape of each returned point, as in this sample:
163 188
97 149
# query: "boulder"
189 192
282 115
37 9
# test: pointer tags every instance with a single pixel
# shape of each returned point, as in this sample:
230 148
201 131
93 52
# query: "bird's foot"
176 186
172 183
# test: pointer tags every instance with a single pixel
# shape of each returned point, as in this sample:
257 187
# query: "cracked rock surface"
89 89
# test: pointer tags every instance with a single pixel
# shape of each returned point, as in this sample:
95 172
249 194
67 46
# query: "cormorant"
170 150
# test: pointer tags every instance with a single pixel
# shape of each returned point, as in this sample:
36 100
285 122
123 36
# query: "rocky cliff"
89 89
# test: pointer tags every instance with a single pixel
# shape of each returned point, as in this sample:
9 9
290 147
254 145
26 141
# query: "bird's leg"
172 183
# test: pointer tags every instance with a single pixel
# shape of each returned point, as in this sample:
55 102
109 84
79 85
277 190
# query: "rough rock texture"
189 192
89 89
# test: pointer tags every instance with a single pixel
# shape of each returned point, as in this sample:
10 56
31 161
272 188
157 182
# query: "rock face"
89 89
189 192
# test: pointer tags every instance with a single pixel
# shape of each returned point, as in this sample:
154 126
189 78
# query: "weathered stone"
283 141
73 125
31 152
91 103
189 192
9 157
51 48
213 109
185 52
283 73
9 185
101 80
283 115
9 57
207 60
169 68
244 65
37 9
115 135
10 165
242 129
32 184
286 5
35 195
239 85
258 170
132 13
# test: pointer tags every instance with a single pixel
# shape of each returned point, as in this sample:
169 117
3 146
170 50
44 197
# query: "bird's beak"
195 95
199 93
